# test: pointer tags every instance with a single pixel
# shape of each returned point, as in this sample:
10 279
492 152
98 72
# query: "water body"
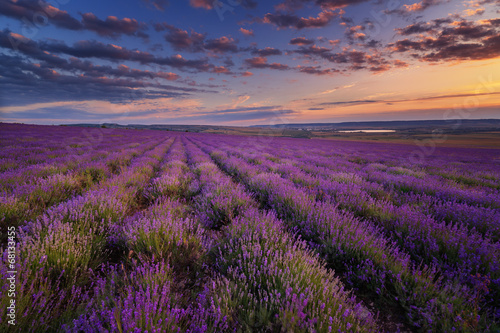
368 131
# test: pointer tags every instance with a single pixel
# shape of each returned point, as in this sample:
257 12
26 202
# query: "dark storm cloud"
114 27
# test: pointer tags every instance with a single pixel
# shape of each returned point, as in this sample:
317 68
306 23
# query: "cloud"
448 40
415 28
221 70
261 62
246 32
180 39
353 102
292 5
352 58
48 51
240 100
283 21
418 99
474 12
114 27
355 32
415 7
31 10
421 6
26 9
17 42
245 114
24 82
329 91
301 41
89 69
316 70
162 110
94 49
400 63
211 4
314 50
158 4
206 4
268 51
246 74
221 45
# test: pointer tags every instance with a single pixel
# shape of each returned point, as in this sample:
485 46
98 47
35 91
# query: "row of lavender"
60 251
307 196
27 190
205 257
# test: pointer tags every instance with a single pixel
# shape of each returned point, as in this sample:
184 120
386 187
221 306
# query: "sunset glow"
248 62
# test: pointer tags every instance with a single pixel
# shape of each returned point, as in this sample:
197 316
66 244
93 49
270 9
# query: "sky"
248 62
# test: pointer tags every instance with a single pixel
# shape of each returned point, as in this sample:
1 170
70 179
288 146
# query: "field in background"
131 230
481 133
475 140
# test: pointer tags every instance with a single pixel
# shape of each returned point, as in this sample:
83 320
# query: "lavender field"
114 230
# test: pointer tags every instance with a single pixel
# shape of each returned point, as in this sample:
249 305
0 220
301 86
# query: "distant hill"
395 125
311 130
283 132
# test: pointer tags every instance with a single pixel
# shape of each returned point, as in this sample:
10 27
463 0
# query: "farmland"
138 230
